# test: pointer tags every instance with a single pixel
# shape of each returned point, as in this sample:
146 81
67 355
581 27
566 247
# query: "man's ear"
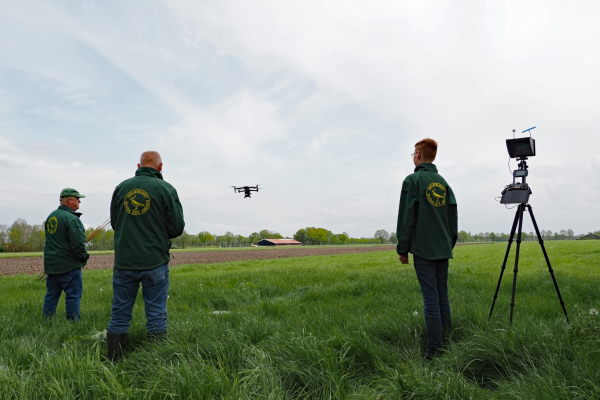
139 166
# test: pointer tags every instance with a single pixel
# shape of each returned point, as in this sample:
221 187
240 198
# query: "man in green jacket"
428 228
64 255
145 214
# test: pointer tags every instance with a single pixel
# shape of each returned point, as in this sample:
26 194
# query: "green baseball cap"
70 192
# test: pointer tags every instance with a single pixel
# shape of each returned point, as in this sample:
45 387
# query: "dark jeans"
72 284
155 288
433 278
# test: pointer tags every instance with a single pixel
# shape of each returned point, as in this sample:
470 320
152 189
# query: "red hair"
427 148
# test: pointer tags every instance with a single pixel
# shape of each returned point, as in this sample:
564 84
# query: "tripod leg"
510 240
516 270
541 241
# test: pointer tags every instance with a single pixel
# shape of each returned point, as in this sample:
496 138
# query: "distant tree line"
564 234
22 237
228 239
322 236
307 236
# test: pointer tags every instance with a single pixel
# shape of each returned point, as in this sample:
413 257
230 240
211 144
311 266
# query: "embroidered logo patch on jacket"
137 202
436 194
52 225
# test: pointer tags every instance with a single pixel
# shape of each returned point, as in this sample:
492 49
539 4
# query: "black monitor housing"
521 147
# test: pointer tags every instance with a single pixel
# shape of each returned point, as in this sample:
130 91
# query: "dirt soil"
35 265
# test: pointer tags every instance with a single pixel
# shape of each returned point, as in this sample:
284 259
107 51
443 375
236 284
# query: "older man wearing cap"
64 255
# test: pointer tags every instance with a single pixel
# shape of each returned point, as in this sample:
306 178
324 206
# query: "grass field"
320 327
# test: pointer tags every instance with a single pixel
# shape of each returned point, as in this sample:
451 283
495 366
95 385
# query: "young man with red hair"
428 228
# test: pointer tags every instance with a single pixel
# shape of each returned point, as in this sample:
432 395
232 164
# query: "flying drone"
245 189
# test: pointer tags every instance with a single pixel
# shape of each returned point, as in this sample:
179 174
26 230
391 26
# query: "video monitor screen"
521 147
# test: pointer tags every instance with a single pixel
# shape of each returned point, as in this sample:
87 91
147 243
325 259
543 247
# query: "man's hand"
403 258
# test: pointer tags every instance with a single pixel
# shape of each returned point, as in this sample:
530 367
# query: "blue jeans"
433 278
72 284
155 288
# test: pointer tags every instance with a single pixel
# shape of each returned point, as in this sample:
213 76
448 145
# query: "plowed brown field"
35 265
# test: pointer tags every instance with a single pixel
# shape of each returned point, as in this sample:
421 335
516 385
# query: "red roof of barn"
283 241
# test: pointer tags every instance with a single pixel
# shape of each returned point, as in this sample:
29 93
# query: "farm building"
590 236
279 242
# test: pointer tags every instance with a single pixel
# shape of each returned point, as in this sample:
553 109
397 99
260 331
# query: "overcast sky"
319 102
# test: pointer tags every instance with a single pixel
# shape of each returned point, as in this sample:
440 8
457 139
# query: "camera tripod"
519 220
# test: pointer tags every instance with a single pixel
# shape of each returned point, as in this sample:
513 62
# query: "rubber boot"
157 337
116 343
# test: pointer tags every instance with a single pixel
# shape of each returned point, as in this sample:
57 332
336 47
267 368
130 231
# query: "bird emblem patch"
52 225
436 194
137 202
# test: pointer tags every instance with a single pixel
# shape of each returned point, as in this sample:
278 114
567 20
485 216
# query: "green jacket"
427 218
145 213
65 249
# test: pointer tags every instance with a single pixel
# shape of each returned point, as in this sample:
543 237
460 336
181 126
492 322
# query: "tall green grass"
340 327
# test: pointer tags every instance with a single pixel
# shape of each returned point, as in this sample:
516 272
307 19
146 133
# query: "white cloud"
234 131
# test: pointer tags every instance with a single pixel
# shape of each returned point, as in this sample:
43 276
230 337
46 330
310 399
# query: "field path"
35 265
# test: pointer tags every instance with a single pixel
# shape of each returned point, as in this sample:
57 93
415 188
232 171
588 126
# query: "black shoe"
430 356
116 343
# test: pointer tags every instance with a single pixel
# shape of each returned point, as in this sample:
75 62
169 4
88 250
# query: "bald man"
146 214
